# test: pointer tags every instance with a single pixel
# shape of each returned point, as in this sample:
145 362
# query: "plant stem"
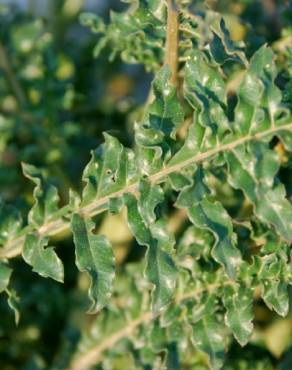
95 355
171 50
13 247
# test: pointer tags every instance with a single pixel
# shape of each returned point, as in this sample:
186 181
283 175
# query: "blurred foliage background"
55 102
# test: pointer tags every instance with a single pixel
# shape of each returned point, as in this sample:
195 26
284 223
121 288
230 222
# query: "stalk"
95 355
13 247
172 40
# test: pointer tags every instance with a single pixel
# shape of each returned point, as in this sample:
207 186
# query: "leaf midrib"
14 247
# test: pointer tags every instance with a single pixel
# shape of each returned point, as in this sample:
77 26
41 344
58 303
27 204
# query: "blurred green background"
55 102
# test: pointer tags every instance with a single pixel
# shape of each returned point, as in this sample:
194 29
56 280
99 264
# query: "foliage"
204 188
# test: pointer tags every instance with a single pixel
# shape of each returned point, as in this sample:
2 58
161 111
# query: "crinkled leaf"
205 90
157 130
5 273
204 306
258 97
191 146
94 255
150 197
208 336
222 47
239 312
275 295
92 21
275 209
196 192
135 221
165 113
137 35
46 196
195 242
43 260
212 216
111 168
13 303
160 267
10 222
253 170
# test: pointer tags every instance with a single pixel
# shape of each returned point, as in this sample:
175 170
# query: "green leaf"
5 273
195 242
92 21
273 276
13 300
165 113
253 169
194 193
213 217
192 145
276 210
258 97
137 34
209 147
239 312
160 267
135 221
205 91
163 117
272 273
10 222
111 168
222 47
150 197
204 306
13 303
275 295
208 336
157 337
46 197
94 255
43 260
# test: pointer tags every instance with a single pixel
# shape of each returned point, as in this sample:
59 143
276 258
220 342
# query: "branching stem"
95 355
14 246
